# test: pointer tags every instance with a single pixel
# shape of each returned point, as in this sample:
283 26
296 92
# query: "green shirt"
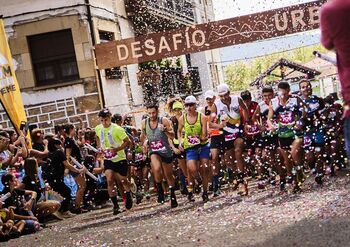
113 137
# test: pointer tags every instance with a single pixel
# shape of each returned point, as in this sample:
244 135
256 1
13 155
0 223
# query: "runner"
158 130
175 108
112 140
314 135
251 137
288 111
216 138
268 141
195 143
228 108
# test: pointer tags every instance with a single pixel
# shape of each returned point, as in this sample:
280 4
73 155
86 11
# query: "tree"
240 74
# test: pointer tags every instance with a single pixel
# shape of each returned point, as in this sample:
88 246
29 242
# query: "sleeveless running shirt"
158 140
231 114
192 132
286 116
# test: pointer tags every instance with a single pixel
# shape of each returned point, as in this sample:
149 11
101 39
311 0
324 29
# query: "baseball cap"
177 105
190 100
223 89
209 94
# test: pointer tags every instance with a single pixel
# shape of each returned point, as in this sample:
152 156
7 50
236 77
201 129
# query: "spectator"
335 35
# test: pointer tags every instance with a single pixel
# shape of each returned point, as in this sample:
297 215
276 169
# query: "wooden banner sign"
197 38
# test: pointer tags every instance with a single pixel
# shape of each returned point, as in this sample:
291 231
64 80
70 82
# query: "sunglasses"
189 105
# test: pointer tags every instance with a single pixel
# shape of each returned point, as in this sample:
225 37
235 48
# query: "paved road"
319 216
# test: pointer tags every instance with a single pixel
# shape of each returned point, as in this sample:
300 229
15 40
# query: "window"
113 73
53 57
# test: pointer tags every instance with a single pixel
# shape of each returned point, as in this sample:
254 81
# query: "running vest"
192 132
264 112
108 155
157 140
232 117
314 105
253 129
286 116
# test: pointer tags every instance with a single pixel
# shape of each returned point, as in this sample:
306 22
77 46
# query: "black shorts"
286 143
168 160
217 142
252 142
142 164
269 142
120 167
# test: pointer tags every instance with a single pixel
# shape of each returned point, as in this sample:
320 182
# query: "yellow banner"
10 95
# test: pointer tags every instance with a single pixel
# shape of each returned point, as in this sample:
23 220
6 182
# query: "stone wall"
69 110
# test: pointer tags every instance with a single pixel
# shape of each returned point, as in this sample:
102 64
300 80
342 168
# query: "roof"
311 73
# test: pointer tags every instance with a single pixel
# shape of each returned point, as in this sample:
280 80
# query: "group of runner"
278 139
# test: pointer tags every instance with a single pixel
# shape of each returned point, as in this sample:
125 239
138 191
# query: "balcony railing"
175 10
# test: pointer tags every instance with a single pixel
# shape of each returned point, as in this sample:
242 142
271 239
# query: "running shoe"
318 179
190 197
116 210
205 197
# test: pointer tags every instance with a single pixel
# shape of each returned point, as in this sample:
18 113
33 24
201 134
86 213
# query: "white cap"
190 100
209 94
223 89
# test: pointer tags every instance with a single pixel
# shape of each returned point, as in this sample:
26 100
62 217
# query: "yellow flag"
10 95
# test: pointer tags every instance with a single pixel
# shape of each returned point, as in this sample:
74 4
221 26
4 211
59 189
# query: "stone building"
52 46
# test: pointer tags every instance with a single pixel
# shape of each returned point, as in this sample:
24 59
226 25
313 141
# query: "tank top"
157 140
286 116
232 116
192 132
264 112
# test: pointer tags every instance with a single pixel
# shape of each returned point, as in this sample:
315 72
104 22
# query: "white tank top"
231 114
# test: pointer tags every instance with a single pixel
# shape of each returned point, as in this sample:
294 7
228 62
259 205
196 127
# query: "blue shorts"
314 139
199 152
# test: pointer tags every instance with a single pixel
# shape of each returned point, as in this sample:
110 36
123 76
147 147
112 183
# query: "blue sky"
231 8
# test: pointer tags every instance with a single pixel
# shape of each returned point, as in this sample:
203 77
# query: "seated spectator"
21 201
30 181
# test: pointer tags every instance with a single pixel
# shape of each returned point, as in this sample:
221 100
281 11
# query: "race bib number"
287 118
109 154
157 146
307 141
138 157
231 137
253 130
193 140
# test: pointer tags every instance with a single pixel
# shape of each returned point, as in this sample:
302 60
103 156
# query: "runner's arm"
204 120
143 131
212 124
168 129
270 117
179 131
244 109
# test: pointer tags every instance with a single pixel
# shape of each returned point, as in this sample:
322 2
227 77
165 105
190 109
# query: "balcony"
178 12
164 83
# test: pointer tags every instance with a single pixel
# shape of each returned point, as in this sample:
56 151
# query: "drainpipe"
93 39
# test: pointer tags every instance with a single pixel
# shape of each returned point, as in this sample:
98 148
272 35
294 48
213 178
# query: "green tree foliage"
240 74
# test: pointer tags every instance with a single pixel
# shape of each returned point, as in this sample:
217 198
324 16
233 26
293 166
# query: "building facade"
52 46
